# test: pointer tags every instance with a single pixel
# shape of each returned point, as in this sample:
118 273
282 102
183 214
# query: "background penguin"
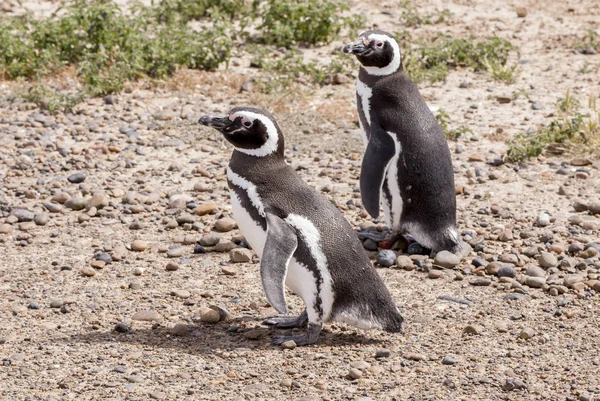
303 241
407 160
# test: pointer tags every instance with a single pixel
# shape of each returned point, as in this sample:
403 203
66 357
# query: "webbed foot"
288 322
310 337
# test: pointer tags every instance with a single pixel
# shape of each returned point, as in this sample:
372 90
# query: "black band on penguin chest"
248 205
304 256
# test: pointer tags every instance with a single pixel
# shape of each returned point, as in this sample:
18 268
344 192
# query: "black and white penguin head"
377 51
252 131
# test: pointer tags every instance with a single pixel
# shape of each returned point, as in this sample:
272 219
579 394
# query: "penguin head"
377 51
250 130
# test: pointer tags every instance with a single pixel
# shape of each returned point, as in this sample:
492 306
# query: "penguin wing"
280 245
380 151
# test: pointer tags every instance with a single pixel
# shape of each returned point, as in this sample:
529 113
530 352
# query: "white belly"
252 231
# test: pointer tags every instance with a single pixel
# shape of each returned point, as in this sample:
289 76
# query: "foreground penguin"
303 241
407 165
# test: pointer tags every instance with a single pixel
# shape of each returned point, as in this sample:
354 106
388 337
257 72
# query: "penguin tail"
394 322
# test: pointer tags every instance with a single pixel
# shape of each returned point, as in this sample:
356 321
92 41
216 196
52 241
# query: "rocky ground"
122 275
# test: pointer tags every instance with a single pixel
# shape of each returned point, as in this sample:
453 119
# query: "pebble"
547 260
506 271
513 384
240 255
56 303
383 353
446 259
139 245
542 220
370 245
172 266
209 315
573 279
180 329
23 215
199 249
76 203
481 282
122 328
535 271
174 252
98 200
355 374
205 208
594 207
183 294
88 271
535 282
404 262
475 329
449 360
225 224
77 178
211 239
5 228
41 219
228 271
386 258
435 274
163 115
147 316
526 333
290 344
157 395
34 306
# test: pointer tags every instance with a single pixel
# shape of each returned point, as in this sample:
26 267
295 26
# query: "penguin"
406 167
301 238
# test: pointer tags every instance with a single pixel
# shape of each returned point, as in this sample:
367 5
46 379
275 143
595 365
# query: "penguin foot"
310 337
287 322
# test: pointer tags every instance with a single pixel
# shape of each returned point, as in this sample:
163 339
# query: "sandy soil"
504 340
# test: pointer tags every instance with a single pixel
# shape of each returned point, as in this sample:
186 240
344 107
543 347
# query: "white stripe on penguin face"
270 145
393 65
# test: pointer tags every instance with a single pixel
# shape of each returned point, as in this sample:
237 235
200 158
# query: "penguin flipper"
380 151
280 245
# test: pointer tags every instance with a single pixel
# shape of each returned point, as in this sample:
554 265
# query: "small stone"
41 219
23 215
404 262
174 252
225 224
183 294
98 264
513 384
535 271
290 344
157 395
88 271
383 353
138 271
580 206
506 270
474 329
521 12
211 239
594 207
573 279
240 255
109 99
163 115
205 208
76 203
103 256
180 329
98 200
542 220
135 285
386 258
449 360
547 260
172 266
503 99
415 357
5 228
588 253
209 315
147 316
139 245
228 271
34 306
535 282
526 333
199 249
435 274
446 259
122 328
56 303
481 282
370 245
77 178
355 374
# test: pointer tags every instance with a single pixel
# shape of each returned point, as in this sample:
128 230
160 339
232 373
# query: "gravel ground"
116 240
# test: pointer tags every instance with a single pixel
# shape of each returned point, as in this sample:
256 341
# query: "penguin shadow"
205 338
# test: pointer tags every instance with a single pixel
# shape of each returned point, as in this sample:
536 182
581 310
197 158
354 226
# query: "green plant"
52 101
570 127
452 134
430 61
412 18
289 23
590 41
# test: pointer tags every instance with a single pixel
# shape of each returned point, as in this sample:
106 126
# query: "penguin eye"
247 123
378 44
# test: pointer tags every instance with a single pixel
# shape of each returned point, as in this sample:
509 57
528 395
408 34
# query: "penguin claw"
287 322
310 337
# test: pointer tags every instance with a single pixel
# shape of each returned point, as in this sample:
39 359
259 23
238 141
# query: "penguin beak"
357 47
215 121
